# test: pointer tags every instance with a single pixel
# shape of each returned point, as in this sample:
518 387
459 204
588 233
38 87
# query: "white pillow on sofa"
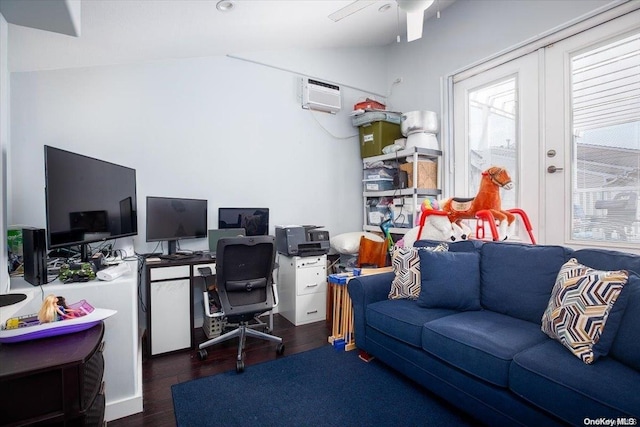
349 243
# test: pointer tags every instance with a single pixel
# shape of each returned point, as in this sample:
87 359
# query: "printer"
302 240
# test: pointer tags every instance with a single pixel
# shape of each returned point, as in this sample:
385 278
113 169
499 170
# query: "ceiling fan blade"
350 9
414 25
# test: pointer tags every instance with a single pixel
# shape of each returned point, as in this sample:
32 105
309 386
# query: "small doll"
52 311
67 312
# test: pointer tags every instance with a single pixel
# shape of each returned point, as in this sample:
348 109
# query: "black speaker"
34 249
400 180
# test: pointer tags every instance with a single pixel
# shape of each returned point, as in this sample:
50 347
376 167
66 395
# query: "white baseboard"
123 408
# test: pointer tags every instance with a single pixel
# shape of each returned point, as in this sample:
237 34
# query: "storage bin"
377 135
376 215
369 104
376 116
378 173
378 184
402 217
427 173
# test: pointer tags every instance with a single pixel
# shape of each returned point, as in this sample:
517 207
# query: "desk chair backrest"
244 268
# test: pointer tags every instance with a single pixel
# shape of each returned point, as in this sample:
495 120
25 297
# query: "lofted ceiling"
125 31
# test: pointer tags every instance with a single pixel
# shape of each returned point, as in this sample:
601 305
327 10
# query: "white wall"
4 143
219 128
337 65
232 131
467 32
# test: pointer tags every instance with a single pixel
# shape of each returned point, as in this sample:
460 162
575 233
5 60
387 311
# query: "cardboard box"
427 173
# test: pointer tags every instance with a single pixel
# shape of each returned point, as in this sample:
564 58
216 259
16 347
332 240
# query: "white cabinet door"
170 315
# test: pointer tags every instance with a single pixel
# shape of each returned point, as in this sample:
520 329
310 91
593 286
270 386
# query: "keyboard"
176 257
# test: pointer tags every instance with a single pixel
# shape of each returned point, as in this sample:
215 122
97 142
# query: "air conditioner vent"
317 95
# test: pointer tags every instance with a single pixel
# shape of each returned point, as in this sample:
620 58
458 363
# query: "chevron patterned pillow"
581 301
406 265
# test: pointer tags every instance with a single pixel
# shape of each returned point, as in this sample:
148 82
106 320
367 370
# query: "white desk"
123 345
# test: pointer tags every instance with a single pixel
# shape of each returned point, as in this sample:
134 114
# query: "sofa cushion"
450 280
406 266
549 376
517 278
604 259
579 308
626 345
481 343
457 246
402 319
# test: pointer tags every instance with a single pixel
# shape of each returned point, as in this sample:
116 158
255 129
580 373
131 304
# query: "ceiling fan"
413 8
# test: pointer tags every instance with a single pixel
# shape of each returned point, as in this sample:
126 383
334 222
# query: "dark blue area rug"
321 387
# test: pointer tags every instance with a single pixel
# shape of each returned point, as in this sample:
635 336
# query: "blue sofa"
493 361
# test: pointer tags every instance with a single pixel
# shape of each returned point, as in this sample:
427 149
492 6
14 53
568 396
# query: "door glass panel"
605 112
493 133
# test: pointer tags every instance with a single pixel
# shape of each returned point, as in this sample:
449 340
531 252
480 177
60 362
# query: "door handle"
553 169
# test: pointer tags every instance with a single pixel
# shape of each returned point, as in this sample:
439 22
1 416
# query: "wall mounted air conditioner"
321 96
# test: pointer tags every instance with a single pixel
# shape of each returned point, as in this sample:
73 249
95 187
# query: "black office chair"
244 267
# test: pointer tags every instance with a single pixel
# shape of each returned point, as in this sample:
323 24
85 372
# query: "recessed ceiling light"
384 7
225 5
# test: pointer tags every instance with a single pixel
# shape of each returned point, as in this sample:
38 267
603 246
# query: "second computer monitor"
255 221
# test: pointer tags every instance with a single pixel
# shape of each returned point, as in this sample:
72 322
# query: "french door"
565 121
591 159
496 124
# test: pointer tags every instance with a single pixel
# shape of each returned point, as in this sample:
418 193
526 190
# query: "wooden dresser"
54 381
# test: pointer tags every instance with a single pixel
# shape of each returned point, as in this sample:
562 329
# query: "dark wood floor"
160 372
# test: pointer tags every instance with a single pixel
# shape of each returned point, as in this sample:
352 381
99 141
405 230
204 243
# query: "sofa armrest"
370 288
363 291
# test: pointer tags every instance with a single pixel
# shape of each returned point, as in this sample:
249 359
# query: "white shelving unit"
414 193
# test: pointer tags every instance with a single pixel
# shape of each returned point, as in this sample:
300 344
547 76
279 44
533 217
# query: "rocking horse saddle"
461 204
462 199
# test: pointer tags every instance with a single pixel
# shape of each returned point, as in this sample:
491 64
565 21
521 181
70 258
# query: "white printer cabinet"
302 288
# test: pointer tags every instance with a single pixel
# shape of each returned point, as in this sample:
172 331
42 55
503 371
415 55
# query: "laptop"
217 234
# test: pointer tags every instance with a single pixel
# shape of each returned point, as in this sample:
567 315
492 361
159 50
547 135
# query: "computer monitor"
87 200
255 221
171 219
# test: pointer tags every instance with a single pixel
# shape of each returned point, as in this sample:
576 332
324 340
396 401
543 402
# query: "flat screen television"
87 200
255 221
171 219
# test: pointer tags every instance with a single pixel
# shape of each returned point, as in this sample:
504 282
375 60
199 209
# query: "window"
605 106
493 136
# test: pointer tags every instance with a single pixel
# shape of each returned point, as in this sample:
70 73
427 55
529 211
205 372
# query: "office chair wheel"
280 349
202 354
239 366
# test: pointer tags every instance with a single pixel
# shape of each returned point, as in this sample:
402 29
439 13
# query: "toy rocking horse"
486 203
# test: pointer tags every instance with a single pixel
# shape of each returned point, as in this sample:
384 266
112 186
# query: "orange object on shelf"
369 104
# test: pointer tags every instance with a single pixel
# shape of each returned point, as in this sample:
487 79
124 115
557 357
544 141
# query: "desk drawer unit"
170 314
302 285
